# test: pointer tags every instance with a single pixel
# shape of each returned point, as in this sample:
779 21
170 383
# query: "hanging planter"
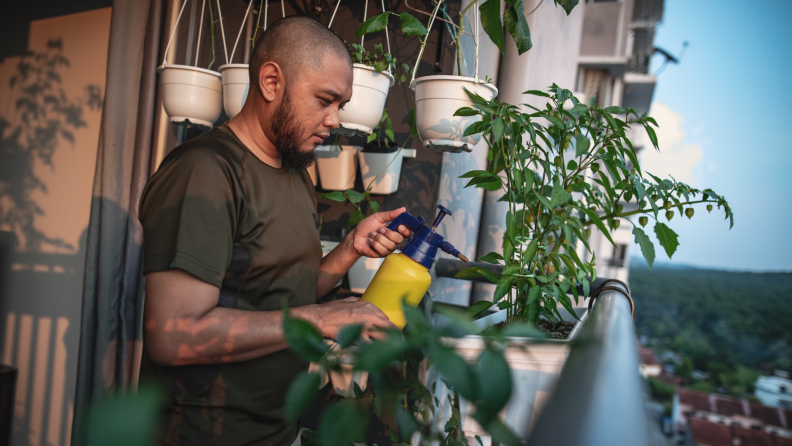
190 95
337 168
437 98
369 92
387 165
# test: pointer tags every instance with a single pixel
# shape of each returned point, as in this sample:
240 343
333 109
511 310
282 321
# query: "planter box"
437 98
337 168
191 95
363 111
535 365
371 164
236 83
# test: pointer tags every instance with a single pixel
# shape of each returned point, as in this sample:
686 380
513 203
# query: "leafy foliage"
379 60
383 132
566 170
398 393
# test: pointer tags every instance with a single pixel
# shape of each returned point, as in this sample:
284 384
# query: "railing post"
599 396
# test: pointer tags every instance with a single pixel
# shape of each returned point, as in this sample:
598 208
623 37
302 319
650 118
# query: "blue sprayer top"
422 246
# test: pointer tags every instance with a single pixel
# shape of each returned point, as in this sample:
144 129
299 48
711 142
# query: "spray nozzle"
422 246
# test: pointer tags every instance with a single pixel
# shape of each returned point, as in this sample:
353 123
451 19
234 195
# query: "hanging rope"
167 47
222 31
240 29
200 27
334 13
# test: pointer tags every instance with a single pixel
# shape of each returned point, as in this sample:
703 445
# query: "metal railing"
598 399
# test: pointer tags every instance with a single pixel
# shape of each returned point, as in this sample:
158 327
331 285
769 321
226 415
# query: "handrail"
599 396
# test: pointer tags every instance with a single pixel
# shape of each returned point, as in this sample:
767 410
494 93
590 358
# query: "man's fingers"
393 236
387 216
384 240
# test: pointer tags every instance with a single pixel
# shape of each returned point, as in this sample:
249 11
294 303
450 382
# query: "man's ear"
271 81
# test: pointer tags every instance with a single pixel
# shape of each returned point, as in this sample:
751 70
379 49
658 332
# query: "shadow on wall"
45 115
40 292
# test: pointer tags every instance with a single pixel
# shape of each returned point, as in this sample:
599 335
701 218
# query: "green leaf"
348 335
616 110
537 93
578 110
582 145
476 174
411 26
356 217
301 394
490 21
522 330
545 201
559 196
406 422
494 383
456 372
372 25
652 135
374 206
667 238
476 271
647 247
517 26
555 121
595 218
342 424
529 177
530 250
466 111
478 308
564 300
411 121
335 196
492 257
501 433
354 196
303 338
460 322
497 129
476 127
503 288
377 355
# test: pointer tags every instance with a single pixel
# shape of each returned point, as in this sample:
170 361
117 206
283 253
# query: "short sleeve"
189 214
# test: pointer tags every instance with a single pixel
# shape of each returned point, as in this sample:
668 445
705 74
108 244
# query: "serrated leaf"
374 24
411 26
668 239
491 22
301 393
471 273
647 247
582 145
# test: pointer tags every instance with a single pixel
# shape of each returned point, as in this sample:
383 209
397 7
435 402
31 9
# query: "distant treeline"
721 322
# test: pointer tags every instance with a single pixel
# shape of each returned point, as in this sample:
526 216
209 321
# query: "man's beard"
287 137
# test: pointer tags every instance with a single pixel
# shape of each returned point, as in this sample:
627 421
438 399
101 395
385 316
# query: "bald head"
296 44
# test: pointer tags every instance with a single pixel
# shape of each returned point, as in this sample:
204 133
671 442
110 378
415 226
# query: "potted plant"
191 95
373 74
381 159
337 166
566 169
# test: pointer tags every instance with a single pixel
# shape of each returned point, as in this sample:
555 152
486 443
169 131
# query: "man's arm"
370 238
183 324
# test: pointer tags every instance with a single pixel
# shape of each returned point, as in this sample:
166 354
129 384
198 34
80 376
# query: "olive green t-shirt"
215 210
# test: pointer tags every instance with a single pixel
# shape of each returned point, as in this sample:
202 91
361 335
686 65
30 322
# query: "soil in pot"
560 330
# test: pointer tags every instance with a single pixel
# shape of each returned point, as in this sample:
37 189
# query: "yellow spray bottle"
405 276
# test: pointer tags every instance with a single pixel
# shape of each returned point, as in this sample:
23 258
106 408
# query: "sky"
724 115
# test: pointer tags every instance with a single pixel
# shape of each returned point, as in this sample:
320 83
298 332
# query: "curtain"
110 333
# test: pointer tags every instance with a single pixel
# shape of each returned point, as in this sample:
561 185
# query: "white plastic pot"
437 98
337 168
191 95
364 110
535 366
362 272
236 83
327 247
372 164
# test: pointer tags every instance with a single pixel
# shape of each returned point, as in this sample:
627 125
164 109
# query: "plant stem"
258 20
426 37
211 31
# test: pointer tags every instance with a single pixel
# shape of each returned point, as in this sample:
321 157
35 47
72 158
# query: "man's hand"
371 238
331 317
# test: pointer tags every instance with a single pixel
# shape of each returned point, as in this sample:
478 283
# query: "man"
230 235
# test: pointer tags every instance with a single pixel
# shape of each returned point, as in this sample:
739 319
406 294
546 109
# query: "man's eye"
326 102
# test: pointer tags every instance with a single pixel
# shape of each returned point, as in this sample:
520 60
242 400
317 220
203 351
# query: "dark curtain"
112 310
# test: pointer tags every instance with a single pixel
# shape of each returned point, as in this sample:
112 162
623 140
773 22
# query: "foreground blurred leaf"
301 393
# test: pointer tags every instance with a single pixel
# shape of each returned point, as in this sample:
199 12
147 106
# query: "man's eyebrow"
333 93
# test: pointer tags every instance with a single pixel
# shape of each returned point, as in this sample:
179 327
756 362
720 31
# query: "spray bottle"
404 276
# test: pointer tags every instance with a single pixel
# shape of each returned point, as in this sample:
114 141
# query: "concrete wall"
46 173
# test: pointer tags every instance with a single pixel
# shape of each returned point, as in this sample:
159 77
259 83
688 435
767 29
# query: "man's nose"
331 120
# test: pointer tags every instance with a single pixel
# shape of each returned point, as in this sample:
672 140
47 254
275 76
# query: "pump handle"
407 220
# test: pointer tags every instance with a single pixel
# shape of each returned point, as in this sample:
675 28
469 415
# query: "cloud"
675 158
